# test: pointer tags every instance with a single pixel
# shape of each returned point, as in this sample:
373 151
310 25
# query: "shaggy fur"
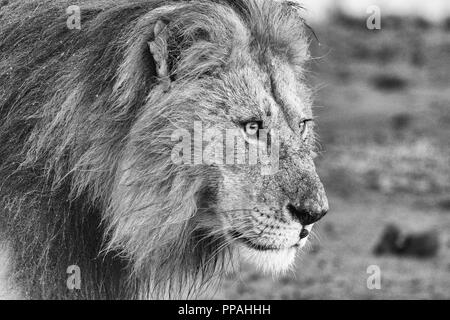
85 172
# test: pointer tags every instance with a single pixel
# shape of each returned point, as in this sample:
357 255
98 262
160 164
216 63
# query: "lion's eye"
251 128
304 128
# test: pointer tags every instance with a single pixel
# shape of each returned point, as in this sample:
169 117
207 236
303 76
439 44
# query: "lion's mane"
71 118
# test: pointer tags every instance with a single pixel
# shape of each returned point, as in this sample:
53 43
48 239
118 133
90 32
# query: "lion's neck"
45 245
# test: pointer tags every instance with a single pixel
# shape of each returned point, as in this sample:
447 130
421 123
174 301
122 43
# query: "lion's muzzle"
306 200
310 209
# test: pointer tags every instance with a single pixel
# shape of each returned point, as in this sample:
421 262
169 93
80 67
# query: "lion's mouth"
238 236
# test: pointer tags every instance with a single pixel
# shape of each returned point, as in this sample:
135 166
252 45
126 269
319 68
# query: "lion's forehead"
272 92
265 45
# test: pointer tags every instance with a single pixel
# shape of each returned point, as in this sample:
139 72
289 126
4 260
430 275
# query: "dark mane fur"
68 100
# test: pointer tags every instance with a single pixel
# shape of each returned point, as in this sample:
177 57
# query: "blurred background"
383 108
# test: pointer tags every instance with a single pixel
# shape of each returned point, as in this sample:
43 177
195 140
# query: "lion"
88 180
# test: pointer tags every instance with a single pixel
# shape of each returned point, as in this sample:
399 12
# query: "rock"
420 245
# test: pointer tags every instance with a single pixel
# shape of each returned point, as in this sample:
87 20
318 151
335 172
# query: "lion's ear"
159 50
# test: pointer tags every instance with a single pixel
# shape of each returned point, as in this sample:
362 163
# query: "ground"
383 113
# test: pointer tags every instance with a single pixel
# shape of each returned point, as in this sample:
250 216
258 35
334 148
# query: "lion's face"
221 153
263 209
266 210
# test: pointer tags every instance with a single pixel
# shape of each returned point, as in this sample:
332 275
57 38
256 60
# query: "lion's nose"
307 213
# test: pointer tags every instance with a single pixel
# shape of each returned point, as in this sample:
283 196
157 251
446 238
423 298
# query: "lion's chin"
269 261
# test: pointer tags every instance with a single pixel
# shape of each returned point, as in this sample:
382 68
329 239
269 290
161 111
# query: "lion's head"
188 73
229 71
